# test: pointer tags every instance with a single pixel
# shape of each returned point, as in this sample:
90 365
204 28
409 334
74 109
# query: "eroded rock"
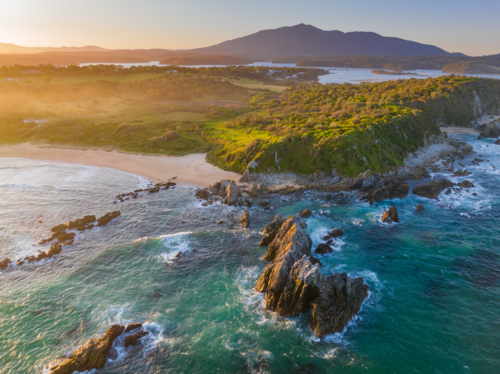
306 213
391 215
433 188
245 220
387 189
271 229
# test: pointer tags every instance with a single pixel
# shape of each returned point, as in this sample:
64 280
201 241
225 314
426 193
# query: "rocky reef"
293 282
94 353
227 192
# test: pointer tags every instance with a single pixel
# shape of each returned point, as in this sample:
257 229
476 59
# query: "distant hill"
307 40
7 48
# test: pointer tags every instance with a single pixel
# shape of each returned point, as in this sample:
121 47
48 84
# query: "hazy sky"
472 27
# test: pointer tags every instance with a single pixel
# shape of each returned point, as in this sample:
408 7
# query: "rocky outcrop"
153 189
293 282
92 355
391 215
340 298
497 142
306 213
420 208
292 235
466 184
107 218
387 189
5 263
491 130
226 191
433 188
245 220
462 173
271 229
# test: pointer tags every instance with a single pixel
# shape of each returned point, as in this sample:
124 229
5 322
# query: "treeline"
476 65
205 60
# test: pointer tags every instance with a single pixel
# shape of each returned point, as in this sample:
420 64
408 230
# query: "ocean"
434 278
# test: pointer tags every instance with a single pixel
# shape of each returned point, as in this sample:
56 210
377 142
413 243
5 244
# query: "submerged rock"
245 220
433 188
336 233
391 215
92 355
271 229
107 218
293 282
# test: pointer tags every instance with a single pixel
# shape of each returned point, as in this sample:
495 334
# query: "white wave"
175 243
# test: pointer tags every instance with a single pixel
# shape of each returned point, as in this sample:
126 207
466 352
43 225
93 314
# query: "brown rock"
107 218
420 208
245 220
336 233
5 263
292 234
133 326
132 339
306 213
391 215
92 355
58 228
55 249
271 230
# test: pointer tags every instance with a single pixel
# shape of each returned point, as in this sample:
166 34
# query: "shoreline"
191 169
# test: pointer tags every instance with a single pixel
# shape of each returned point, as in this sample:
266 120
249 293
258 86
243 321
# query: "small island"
390 72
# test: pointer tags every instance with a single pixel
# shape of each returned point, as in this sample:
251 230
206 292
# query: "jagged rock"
245 220
291 235
5 263
462 173
92 355
271 229
323 249
254 191
233 192
466 184
107 218
433 188
391 215
293 283
203 194
420 208
55 249
132 339
339 299
133 326
306 213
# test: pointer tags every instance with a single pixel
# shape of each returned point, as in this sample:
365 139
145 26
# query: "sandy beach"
188 170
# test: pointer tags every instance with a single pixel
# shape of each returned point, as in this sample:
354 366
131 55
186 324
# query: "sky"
466 26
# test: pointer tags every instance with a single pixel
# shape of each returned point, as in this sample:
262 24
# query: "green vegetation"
241 114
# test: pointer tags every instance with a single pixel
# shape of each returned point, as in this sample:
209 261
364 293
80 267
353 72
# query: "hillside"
301 40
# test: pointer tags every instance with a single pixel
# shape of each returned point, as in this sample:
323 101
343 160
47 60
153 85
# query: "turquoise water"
434 278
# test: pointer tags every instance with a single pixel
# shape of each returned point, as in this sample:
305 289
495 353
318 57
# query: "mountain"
7 48
307 40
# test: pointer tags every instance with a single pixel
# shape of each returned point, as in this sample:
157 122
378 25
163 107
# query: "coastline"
191 169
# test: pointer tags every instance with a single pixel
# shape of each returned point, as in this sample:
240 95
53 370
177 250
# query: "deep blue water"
434 278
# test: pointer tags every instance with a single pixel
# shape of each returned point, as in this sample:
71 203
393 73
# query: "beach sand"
190 170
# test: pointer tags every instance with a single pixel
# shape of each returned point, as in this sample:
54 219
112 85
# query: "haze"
459 26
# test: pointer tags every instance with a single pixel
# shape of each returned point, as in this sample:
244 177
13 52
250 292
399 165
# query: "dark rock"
474 194
245 220
420 208
5 263
448 191
336 233
479 137
491 130
323 249
132 339
264 202
315 261
271 230
340 298
497 141
292 232
92 355
387 189
203 194
133 326
433 188
357 184
305 213
466 184
391 215
267 208
462 173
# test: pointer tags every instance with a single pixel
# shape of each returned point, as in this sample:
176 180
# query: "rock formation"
420 208
94 353
245 220
323 249
387 189
226 191
293 282
5 263
433 188
306 213
466 184
271 229
491 130
391 215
